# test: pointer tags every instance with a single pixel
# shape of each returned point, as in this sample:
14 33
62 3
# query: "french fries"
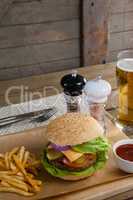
26 155
15 190
7 161
17 172
2 165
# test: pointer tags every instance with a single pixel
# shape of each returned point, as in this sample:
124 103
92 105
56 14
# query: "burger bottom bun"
74 178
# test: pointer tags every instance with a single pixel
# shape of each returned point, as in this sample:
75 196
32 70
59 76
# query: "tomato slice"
83 162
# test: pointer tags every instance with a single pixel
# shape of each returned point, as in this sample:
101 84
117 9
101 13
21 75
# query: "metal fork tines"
46 113
29 114
45 116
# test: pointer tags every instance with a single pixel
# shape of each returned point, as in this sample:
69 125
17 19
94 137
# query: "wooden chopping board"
35 140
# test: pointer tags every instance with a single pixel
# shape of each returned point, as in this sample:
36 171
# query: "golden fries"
26 155
2 165
4 183
17 172
7 161
15 190
13 151
15 182
21 153
12 166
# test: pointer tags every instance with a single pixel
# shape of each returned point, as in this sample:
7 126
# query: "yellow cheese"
72 155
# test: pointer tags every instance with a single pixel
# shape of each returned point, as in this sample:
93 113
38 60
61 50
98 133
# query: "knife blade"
25 115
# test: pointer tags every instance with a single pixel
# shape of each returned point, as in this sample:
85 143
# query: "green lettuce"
93 146
99 146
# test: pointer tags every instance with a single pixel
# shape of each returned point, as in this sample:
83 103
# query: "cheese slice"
72 155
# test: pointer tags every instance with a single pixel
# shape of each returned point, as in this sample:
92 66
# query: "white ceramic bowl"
124 165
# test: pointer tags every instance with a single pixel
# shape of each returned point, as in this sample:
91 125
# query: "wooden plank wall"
120 28
95 31
107 29
39 36
4 6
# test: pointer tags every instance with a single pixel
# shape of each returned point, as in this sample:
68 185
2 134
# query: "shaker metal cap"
73 84
97 90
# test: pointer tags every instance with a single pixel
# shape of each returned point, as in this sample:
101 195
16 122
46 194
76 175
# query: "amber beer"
125 88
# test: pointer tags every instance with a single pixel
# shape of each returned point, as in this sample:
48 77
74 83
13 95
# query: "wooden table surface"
39 84
44 82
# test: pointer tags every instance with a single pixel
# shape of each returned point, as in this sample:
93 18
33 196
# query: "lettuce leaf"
93 146
54 171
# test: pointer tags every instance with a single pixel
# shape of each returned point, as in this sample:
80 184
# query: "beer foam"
125 64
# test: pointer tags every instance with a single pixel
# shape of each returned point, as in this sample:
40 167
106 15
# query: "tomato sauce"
125 151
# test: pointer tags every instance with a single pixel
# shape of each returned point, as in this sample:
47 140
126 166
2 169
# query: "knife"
16 118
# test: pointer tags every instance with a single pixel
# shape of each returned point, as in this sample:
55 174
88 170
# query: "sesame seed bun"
73 128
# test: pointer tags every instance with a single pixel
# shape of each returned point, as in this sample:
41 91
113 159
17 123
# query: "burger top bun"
73 128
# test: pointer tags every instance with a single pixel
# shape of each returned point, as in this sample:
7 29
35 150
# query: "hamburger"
76 148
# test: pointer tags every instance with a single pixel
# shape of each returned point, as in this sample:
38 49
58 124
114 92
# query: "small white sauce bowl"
124 165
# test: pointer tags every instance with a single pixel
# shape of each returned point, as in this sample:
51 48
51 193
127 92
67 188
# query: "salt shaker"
97 92
73 85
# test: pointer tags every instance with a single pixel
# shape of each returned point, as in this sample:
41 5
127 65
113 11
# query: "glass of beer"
124 71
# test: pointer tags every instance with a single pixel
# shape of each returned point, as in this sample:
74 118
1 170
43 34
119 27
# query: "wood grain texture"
112 56
4 6
128 195
20 35
128 5
105 192
28 55
121 40
32 139
95 30
120 28
110 190
121 22
12 36
19 1
30 24
38 68
118 6
37 83
121 6
38 37
41 11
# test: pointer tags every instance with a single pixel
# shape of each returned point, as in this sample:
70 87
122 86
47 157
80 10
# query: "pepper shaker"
73 85
97 92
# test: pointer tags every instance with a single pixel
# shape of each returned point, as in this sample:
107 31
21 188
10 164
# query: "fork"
41 116
44 117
